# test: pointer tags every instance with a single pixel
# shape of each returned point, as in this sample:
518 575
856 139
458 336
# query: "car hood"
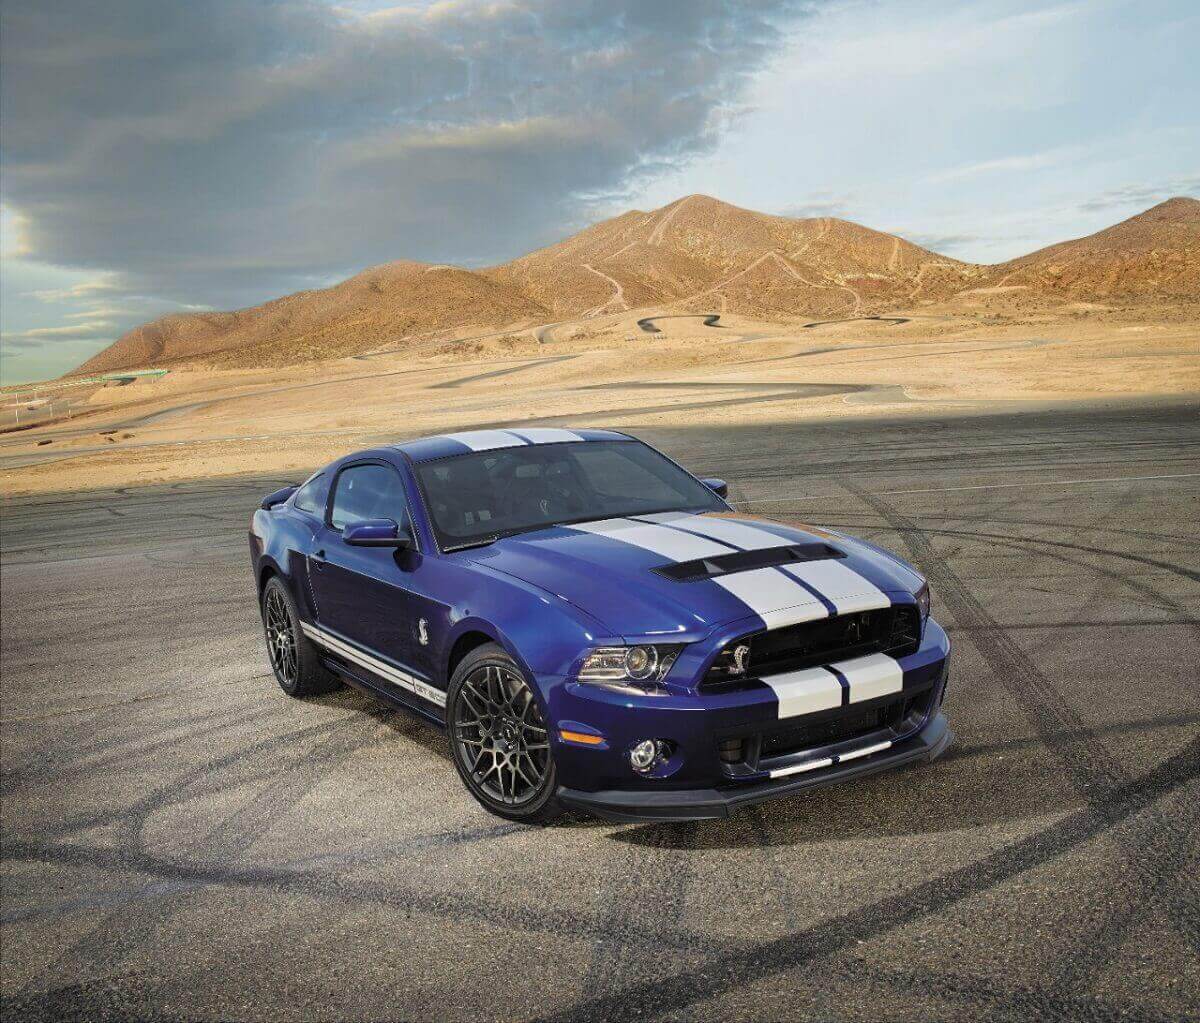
679 575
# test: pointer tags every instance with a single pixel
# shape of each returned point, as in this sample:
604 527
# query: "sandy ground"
605 371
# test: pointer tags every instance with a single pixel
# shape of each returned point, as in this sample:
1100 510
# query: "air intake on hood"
741 561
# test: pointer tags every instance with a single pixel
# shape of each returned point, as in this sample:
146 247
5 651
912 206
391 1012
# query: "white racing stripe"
830 578
773 595
805 692
547 435
737 534
487 440
394 675
670 543
840 585
775 598
871 676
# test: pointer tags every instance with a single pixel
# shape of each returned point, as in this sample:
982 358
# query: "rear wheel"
499 740
294 659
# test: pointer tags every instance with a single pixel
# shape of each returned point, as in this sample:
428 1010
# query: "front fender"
544 634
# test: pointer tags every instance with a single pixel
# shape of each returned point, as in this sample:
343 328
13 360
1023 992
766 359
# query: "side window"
312 496
368 492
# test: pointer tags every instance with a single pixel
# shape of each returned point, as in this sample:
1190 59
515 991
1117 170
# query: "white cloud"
72 332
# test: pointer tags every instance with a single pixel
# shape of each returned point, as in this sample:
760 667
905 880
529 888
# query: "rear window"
311 497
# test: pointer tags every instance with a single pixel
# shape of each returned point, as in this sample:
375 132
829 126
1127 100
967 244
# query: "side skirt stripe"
394 675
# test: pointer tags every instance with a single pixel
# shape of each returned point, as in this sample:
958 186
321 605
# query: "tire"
499 740
294 659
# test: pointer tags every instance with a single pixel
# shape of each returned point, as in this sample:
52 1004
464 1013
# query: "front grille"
892 630
757 751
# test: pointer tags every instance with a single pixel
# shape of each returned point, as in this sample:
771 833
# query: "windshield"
485 494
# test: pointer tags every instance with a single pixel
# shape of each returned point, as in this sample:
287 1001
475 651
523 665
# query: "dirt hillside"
375 308
1154 254
704 252
696 254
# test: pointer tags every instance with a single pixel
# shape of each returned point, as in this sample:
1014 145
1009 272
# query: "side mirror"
376 533
718 487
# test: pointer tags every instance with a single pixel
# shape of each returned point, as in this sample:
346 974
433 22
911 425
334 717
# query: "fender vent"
741 561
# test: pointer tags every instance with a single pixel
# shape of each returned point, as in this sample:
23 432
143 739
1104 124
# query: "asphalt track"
648 324
182 841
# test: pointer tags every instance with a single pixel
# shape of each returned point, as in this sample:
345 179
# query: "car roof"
425 449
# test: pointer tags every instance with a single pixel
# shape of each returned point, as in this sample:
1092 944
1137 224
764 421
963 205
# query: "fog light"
643 755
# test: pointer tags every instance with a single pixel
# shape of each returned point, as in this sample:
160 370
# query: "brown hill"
701 251
375 308
696 253
1155 254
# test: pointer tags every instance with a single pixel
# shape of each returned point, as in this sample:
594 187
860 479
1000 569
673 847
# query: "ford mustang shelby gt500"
595 627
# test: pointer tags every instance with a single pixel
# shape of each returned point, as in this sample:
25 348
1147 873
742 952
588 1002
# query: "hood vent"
741 561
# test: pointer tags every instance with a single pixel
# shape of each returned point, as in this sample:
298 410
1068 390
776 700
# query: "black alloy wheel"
281 637
295 661
499 739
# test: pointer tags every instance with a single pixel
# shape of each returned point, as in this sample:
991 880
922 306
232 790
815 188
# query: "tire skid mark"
623 923
1092 766
757 961
1153 860
330 880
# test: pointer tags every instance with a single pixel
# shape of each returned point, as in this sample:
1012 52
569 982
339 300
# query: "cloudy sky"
163 155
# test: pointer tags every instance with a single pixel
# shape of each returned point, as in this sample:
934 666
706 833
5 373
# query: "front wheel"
499 740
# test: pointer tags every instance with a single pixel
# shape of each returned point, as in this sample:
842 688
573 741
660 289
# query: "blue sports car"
595 627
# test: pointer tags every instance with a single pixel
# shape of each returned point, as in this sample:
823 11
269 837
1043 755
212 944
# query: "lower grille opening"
825 733
901 714
731 751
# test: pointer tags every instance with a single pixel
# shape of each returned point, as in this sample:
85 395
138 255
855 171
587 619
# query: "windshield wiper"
485 541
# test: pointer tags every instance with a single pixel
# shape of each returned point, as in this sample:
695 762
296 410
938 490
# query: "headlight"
627 663
923 602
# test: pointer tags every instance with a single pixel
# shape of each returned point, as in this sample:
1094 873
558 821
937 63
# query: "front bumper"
778 754
710 803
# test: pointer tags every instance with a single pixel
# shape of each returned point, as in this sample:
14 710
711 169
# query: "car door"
363 593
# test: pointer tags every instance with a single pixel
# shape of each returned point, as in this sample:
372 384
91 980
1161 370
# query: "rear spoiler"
279 496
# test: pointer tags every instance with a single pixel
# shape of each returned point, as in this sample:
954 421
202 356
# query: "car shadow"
976 784
404 723
959 792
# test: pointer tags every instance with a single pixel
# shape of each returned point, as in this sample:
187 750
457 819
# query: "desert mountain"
1156 253
703 252
372 309
695 254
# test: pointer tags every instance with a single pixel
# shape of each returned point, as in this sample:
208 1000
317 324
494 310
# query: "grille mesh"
892 630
